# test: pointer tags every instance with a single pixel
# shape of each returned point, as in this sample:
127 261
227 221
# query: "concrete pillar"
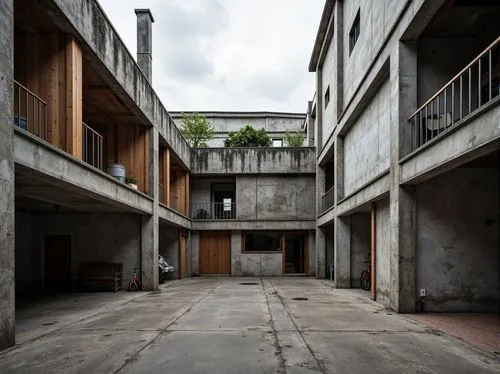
145 41
320 252
150 224
403 80
339 169
195 252
342 252
7 247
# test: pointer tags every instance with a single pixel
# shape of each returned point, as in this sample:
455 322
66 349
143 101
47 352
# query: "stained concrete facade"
421 207
276 124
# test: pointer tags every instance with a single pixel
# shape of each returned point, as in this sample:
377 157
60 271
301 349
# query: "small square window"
354 33
327 96
277 142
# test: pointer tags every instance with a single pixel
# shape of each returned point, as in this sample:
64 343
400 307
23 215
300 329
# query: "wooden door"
182 256
58 263
215 252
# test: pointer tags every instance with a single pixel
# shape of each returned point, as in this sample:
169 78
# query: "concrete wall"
7 248
94 237
275 124
275 197
253 264
458 240
383 255
169 247
220 161
366 145
329 79
377 19
360 245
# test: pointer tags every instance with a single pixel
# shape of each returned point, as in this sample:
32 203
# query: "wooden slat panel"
74 97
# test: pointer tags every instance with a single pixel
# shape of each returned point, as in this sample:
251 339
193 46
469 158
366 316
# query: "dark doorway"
295 254
223 199
58 263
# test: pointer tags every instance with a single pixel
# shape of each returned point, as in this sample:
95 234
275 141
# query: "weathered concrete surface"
218 325
65 170
221 161
172 217
360 246
275 197
253 264
458 241
145 42
7 290
254 225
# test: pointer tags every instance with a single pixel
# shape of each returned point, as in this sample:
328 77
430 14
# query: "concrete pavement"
243 325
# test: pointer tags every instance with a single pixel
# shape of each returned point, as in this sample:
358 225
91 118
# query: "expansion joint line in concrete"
275 291
273 329
131 359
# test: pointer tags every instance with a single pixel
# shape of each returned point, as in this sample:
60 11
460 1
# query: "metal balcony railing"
473 87
328 199
92 146
30 111
213 210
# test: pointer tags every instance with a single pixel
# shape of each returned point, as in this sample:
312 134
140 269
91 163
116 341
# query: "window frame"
243 241
277 139
354 32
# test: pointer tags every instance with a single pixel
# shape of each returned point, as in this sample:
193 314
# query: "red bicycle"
366 277
134 283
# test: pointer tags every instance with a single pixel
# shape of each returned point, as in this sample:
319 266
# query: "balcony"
463 97
213 211
328 200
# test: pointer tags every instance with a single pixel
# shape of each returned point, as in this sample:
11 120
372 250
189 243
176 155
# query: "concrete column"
402 285
320 252
7 246
195 252
339 169
312 253
150 224
236 268
145 41
342 252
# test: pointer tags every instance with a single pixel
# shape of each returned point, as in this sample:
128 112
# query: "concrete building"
78 115
407 128
276 124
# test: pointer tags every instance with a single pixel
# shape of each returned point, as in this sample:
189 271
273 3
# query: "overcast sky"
227 54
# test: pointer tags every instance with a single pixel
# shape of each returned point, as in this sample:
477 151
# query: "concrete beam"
253 225
224 161
7 246
474 138
342 252
174 218
41 156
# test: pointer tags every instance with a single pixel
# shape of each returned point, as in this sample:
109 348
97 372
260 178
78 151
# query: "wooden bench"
99 275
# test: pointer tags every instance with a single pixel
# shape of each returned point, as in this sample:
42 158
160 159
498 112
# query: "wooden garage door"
215 252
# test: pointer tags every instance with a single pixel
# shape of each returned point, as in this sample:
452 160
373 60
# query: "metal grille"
213 210
30 111
328 199
92 146
472 88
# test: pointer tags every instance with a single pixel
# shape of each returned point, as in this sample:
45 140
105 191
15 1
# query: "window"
277 142
354 33
263 241
327 96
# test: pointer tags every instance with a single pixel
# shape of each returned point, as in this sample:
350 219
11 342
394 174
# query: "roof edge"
321 34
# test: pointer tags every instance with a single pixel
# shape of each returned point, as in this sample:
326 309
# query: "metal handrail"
30 111
213 210
92 146
447 106
328 199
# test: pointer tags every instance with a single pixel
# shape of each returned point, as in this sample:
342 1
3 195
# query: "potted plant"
131 181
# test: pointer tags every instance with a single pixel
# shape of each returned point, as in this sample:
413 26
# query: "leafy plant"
197 129
130 179
248 137
295 139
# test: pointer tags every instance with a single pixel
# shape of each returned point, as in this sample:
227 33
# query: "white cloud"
227 54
